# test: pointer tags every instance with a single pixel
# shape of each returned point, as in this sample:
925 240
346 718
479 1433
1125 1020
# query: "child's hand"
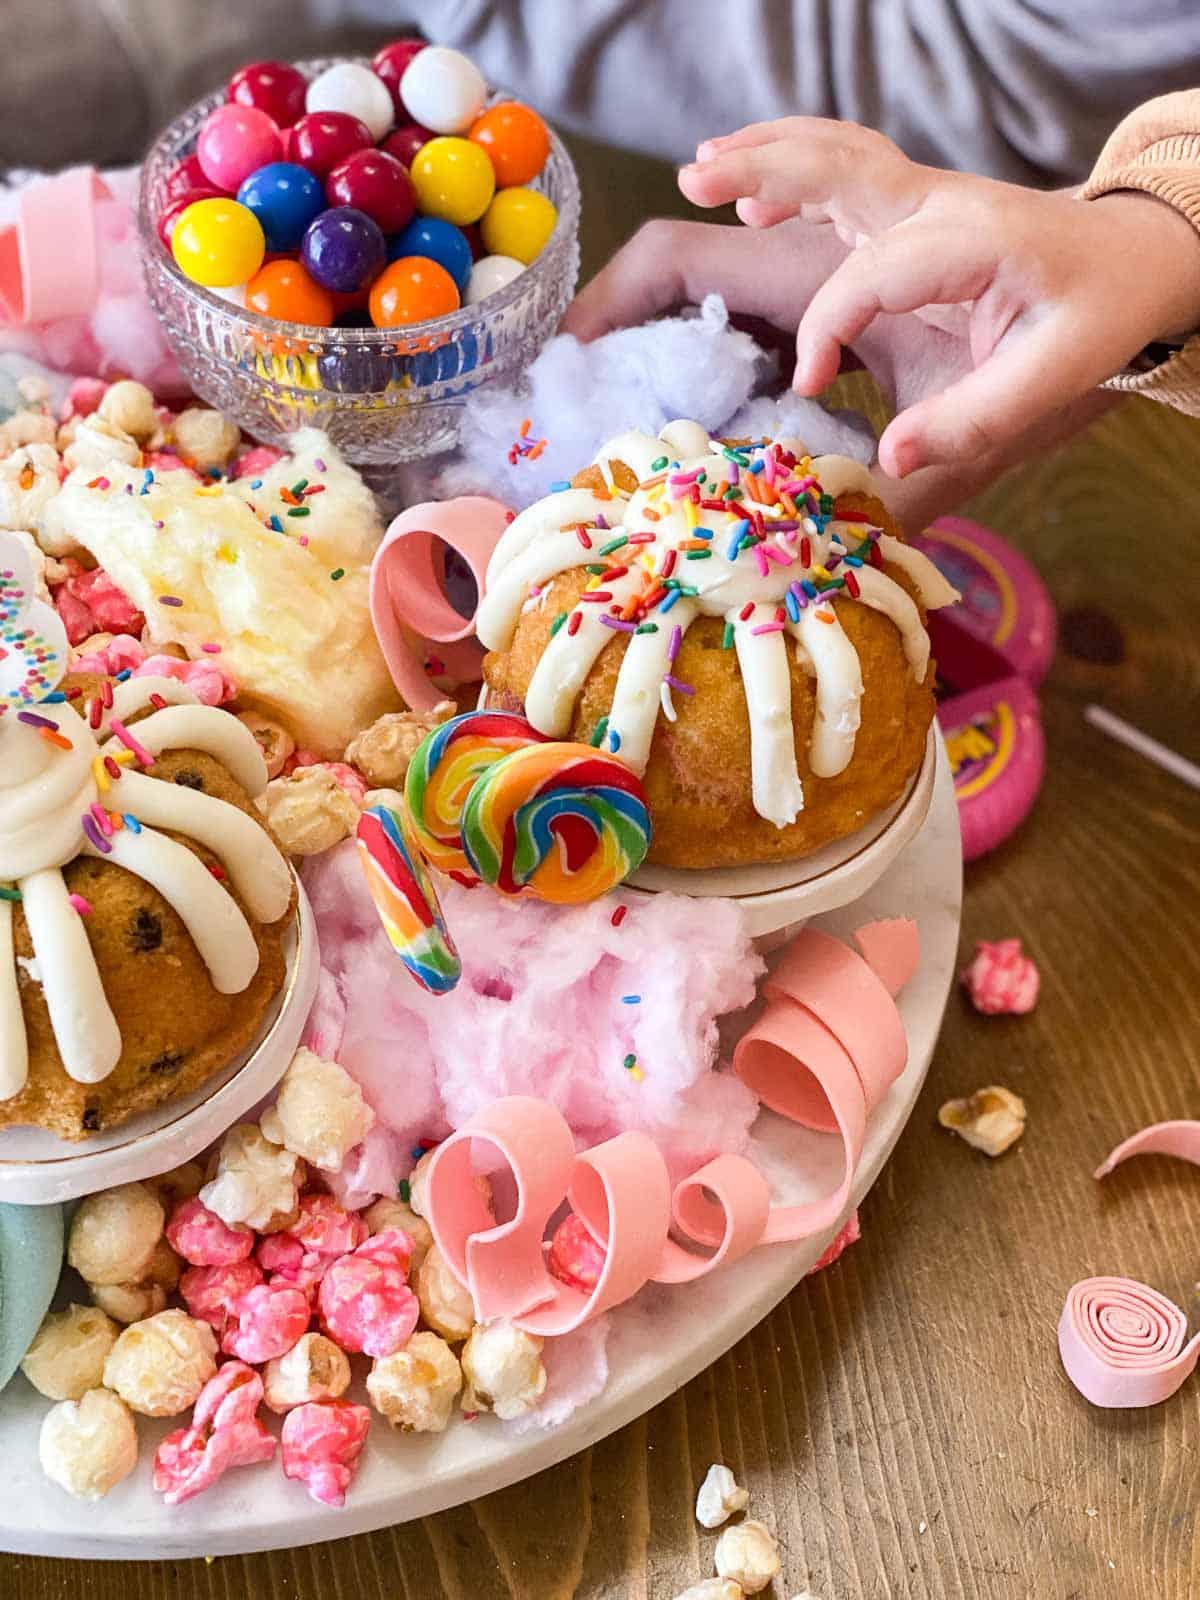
1054 295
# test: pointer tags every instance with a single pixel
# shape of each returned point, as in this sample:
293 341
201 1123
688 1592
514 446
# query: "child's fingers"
764 133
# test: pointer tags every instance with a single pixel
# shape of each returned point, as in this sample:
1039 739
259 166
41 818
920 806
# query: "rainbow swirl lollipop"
405 897
444 766
563 822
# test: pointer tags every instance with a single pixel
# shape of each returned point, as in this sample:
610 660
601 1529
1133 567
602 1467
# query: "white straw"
1134 739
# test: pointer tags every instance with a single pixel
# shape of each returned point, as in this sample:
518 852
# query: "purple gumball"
344 249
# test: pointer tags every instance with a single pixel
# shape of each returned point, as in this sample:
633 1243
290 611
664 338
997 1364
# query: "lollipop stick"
1134 739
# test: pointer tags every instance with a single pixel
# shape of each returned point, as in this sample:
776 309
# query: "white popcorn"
88 1445
393 1213
134 1302
27 427
275 742
502 1366
719 1497
749 1555
446 1304
68 1353
206 438
313 1369
415 1388
114 1234
319 1112
713 1589
257 1181
383 751
309 811
28 483
95 443
159 1366
992 1119
129 405
179 1184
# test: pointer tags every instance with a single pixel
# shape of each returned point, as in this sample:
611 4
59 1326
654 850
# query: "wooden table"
901 1420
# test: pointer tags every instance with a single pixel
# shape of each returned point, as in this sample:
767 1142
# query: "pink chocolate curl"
364 1298
1001 980
225 1432
203 1240
266 1322
322 1442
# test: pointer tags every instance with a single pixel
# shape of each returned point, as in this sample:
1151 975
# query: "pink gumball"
234 142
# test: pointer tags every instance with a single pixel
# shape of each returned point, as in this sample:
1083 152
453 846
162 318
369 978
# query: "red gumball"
374 182
390 62
405 141
475 239
323 138
174 209
188 175
270 86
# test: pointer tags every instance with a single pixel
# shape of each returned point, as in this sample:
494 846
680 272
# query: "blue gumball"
285 198
439 241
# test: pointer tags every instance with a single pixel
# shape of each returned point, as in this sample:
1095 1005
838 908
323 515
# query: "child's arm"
1050 296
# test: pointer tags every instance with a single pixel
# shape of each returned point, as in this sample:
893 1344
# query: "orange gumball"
285 290
516 140
412 289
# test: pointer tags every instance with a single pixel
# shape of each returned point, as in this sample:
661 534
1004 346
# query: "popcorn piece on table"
446 1304
319 1112
719 1497
210 1293
575 1258
383 751
159 1366
1001 980
88 1445
321 1447
68 1352
134 1302
503 1371
991 1120
114 1234
309 811
313 1369
225 1432
258 1182
364 1298
181 1183
266 1321
273 739
129 406
713 1589
205 439
749 1555
391 1212
203 1240
415 1388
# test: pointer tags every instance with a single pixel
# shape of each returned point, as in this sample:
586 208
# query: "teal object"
31 1253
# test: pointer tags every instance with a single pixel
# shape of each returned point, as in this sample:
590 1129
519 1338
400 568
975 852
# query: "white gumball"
442 90
489 274
357 91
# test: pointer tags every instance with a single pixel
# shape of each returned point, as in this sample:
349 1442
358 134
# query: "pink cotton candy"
210 1293
366 1304
1001 980
201 1238
266 1322
254 462
322 1441
225 1432
90 602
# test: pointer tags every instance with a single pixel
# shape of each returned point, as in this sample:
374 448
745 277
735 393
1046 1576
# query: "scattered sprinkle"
631 999
557 623
338 572
619 915
598 733
12 895
169 600
79 904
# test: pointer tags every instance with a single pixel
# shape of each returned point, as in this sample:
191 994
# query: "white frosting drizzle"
85 1029
542 543
14 1048
136 694
195 727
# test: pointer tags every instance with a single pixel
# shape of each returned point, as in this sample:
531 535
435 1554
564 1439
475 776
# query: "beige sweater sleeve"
1157 149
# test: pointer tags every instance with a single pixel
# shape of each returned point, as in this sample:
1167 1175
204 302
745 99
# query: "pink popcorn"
575 1258
207 680
122 653
345 776
90 602
1001 980
160 461
225 1432
210 1292
203 1240
255 461
304 1253
266 1321
366 1304
322 1442
84 395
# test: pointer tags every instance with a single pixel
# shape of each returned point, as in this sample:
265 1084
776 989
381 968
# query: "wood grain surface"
901 1420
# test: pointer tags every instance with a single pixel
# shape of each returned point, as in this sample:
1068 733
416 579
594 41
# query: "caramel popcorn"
257 1182
991 1120
309 811
415 1388
502 1369
181 1183
159 1366
313 1369
114 1234
273 739
749 1555
68 1352
88 1445
445 1304
383 751
319 1113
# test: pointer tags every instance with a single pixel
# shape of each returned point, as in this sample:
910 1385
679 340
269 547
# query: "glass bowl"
384 395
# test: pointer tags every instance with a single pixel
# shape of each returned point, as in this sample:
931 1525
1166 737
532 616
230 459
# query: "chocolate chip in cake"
189 778
145 931
91 1119
169 1061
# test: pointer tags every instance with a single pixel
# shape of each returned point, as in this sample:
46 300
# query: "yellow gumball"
218 243
517 223
453 179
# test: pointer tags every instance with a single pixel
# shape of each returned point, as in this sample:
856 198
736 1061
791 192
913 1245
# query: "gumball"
172 213
517 223
285 197
405 141
438 241
285 291
343 249
391 63
322 139
218 243
516 140
270 86
376 183
453 179
188 175
235 141
443 90
474 238
356 92
412 289
490 274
